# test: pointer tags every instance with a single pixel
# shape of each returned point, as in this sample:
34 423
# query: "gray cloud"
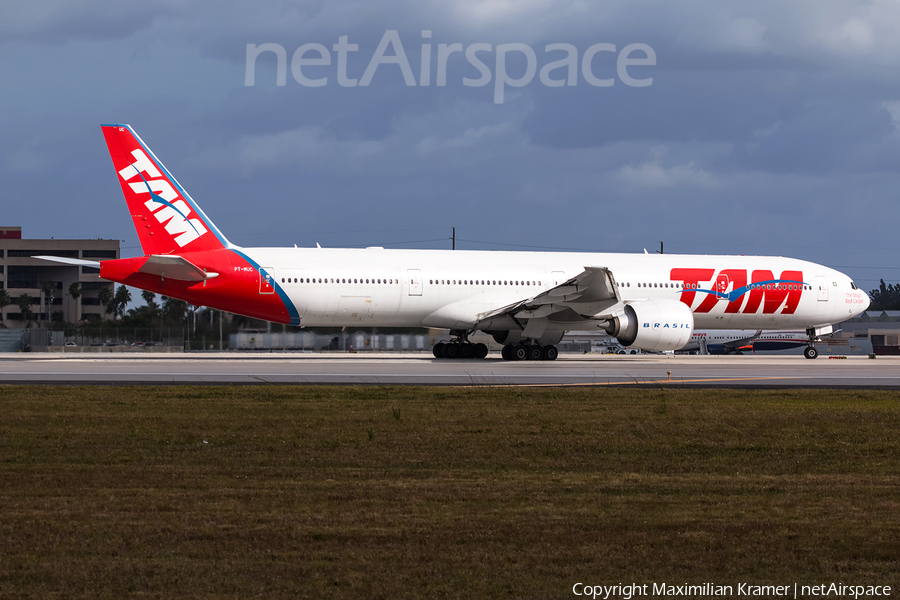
769 128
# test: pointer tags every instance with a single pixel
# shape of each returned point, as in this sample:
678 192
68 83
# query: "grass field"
379 492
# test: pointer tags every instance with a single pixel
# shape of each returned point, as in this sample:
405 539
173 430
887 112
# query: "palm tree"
150 298
46 293
75 292
121 300
175 308
105 296
25 308
4 302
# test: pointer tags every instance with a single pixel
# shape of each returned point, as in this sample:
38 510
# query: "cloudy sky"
769 127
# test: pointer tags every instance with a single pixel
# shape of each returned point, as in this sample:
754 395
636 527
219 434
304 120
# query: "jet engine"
657 325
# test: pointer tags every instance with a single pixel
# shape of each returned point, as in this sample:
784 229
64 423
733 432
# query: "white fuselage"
450 289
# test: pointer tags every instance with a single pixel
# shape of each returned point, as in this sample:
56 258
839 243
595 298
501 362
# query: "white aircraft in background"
783 340
525 300
734 341
725 341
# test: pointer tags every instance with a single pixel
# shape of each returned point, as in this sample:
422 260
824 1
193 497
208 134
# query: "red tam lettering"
771 294
691 279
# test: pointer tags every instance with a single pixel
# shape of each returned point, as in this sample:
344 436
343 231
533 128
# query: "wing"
590 294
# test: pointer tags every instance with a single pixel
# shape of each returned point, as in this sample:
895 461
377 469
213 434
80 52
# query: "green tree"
105 295
886 297
75 293
152 307
5 300
174 309
25 308
121 300
47 288
149 297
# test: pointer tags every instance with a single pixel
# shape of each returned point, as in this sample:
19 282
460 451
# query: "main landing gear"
459 347
528 352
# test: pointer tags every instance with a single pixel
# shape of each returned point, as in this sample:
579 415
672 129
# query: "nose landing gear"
810 351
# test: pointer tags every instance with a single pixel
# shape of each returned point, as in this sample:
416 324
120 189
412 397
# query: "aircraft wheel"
438 350
481 350
549 353
451 351
810 352
467 351
506 352
534 352
519 352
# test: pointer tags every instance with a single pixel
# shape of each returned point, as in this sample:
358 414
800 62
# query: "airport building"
21 274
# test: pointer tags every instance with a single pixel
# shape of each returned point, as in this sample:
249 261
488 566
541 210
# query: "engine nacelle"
657 325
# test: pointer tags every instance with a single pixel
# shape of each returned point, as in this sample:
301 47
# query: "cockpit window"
853 286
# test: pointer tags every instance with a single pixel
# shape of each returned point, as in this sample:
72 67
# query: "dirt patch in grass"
349 492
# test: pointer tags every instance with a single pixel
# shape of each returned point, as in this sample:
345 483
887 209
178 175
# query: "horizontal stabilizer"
71 261
175 267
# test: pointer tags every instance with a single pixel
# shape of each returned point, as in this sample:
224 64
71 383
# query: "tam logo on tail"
166 218
171 213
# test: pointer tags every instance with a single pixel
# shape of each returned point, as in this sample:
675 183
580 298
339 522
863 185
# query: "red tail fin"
167 220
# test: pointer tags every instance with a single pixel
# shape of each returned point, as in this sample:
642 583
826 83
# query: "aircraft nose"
866 303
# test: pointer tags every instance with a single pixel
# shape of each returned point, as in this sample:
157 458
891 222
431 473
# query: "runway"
420 369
